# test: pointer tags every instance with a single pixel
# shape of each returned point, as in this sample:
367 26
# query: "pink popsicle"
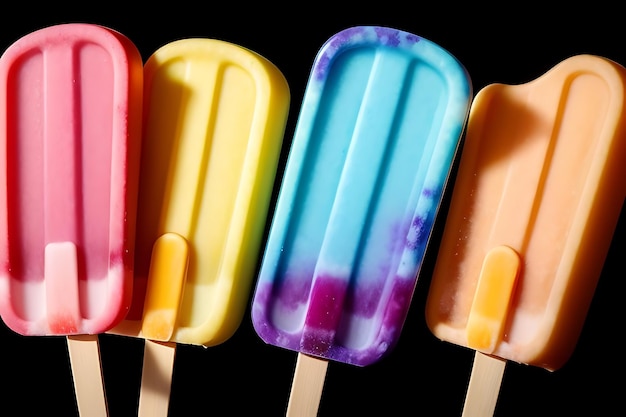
70 109
70 132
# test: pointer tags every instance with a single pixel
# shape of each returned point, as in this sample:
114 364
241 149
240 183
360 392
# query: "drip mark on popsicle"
354 36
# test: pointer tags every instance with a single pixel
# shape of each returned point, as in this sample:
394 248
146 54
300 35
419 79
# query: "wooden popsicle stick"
306 387
156 378
84 352
484 386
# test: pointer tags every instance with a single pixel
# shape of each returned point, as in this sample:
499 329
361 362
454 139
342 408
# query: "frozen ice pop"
536 200
378 129
70 132
215 115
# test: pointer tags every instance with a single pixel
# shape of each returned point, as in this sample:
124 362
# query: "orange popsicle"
537 198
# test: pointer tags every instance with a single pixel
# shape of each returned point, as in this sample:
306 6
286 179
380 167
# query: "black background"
422 376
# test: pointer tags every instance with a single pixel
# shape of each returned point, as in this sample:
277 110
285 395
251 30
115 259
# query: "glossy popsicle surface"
378 129
70 132
542 175
215 118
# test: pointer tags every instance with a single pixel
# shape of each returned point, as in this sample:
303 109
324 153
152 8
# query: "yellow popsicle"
215 115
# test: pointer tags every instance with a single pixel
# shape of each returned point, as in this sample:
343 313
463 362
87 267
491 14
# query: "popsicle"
379 126
536 200
70 132
215 115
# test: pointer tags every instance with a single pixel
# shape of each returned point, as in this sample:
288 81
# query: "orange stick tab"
492 298
168 269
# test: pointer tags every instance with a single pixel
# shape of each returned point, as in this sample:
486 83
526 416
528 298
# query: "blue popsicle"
380 124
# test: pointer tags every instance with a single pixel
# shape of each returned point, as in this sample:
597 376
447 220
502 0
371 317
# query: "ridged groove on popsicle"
572 121
216 114
376 135
70 122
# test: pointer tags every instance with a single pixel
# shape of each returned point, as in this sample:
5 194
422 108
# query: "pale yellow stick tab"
156 379
84 352
492 298
484 386
307 385
168 268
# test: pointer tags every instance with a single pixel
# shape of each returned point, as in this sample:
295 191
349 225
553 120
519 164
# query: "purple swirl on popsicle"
392 323
392 38
418 227
429 192
387 37
339 301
